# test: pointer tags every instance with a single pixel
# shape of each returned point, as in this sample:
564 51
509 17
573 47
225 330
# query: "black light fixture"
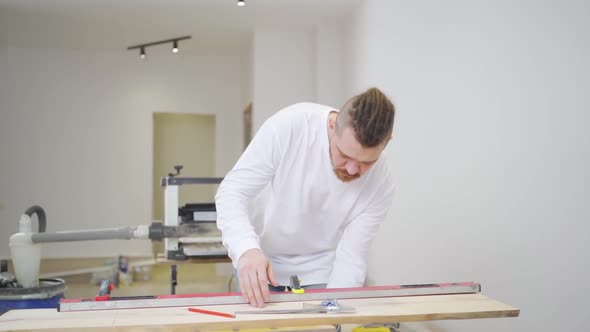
241 3
142 47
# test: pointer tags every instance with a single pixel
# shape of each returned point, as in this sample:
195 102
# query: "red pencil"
209 312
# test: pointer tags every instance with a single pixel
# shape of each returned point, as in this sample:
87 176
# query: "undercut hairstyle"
370 114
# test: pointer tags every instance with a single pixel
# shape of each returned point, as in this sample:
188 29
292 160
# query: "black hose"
158 231
40 216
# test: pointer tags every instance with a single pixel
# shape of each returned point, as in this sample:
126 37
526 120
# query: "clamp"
296 285
104 291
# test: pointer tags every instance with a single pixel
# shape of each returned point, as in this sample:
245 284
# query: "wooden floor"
192 278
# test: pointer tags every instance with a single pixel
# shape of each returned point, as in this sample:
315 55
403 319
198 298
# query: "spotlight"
241 3
142 47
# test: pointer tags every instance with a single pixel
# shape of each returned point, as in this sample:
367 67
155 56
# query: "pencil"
210 312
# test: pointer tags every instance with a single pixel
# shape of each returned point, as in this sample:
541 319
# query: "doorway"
187 140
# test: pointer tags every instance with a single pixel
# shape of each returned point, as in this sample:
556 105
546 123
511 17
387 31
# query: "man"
307 196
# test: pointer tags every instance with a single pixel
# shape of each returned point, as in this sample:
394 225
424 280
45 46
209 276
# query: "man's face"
349 158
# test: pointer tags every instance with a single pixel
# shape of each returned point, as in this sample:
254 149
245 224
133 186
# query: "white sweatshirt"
283 197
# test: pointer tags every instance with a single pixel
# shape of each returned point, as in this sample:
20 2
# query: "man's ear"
332 121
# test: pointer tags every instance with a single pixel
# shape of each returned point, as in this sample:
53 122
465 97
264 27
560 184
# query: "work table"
373 310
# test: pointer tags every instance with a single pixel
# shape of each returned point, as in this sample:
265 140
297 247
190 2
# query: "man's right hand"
255 273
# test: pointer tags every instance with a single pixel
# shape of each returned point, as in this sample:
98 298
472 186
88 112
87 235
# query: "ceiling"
216 26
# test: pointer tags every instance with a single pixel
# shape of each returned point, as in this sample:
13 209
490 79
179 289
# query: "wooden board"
377 310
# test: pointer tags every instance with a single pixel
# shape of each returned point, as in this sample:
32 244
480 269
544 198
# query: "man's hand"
255 273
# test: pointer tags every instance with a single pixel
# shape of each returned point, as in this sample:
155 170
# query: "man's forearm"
233 221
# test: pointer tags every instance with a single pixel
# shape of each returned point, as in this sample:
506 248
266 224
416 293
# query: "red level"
181 300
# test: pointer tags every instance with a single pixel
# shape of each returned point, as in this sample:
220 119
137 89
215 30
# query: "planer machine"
187 232
203 216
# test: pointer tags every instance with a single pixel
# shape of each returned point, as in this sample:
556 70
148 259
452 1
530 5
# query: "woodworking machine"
192 234
202 216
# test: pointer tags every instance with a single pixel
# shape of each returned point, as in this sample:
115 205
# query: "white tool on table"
327 306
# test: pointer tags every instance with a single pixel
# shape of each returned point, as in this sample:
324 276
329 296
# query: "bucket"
46 295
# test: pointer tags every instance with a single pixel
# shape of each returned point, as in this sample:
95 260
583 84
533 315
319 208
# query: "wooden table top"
376 310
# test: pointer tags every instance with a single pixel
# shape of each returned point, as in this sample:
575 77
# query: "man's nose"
352 167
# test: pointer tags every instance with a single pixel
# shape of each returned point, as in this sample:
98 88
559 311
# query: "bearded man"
307 196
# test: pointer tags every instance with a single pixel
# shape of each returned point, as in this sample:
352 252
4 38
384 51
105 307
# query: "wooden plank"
377 310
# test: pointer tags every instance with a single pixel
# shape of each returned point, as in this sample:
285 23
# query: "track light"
241 3
142 47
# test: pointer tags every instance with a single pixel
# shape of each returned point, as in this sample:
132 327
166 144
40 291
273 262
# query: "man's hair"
370 114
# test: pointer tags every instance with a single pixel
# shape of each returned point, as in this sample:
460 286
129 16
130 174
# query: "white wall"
295 65
490 151
76 135
330 60
247 76
284 70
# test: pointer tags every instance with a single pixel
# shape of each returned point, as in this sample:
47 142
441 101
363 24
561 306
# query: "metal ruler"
181 300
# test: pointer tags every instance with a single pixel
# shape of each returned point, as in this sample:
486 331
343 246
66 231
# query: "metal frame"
166 41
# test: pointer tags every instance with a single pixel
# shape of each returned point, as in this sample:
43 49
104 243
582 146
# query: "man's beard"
343 175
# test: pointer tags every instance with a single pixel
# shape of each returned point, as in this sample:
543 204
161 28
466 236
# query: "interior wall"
304 64
175 134
247 76
76 135
490 150
330 61
247 95
284 70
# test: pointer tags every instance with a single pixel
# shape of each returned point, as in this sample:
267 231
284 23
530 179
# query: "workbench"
372 310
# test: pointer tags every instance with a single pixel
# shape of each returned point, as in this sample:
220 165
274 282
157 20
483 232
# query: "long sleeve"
350 265
253 171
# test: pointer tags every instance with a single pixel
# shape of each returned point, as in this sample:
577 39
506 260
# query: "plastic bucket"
46 295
